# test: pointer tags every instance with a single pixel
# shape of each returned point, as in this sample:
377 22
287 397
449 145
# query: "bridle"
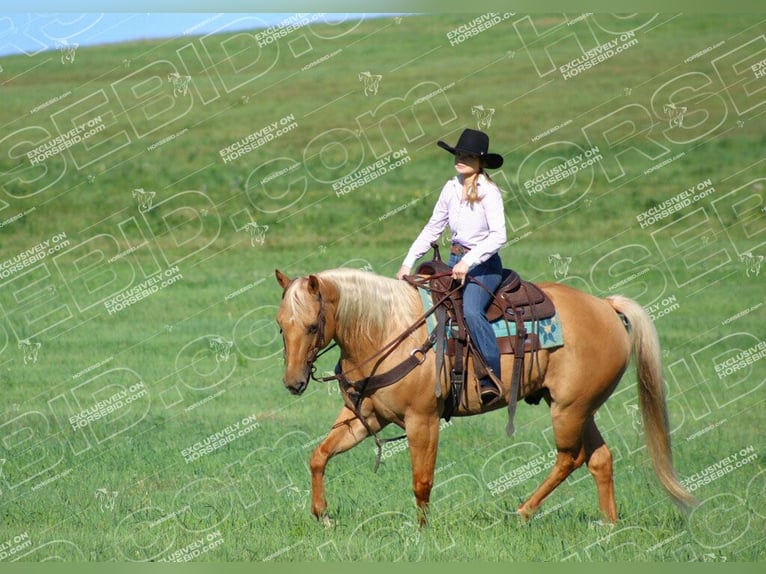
316 350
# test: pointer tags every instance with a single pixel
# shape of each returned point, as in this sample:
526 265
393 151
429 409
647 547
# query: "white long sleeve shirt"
479 227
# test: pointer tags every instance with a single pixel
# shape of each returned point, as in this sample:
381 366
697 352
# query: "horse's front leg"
423 437
347 432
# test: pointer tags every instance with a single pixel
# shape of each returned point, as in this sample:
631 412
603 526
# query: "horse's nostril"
296 387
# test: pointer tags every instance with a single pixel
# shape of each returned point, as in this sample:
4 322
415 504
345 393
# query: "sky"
32 33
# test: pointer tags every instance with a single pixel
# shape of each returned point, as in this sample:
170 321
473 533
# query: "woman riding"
471 204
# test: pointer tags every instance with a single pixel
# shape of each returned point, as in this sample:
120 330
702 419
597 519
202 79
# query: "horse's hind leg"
599 460
347 432
568 433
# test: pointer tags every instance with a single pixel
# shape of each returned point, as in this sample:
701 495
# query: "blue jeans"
476 299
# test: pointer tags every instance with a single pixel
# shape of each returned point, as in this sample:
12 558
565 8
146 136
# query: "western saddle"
515 300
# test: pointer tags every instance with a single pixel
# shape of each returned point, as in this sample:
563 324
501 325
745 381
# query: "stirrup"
492 392
489 395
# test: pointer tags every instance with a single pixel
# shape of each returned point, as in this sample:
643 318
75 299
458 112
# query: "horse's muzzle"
296 387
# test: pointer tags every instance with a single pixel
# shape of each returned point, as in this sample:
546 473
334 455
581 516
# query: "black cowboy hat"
474 142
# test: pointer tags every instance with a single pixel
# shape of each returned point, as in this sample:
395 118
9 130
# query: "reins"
391 345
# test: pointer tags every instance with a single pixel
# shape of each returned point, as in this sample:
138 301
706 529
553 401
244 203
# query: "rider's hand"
459 271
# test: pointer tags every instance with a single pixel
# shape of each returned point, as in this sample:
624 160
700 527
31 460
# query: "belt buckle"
458 249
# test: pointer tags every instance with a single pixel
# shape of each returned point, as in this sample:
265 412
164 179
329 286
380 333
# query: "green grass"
121 490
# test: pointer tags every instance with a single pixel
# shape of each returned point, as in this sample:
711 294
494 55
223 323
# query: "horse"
377 323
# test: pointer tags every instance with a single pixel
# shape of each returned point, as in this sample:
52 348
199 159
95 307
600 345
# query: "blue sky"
35 32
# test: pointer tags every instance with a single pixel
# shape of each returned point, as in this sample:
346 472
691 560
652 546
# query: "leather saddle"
516 297
515 300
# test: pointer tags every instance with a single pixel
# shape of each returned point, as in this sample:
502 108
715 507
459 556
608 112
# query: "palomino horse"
365 313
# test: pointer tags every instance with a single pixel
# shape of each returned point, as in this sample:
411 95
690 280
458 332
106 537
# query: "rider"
471 204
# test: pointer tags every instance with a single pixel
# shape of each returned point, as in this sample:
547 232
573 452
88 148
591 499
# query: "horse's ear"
282 279
313 284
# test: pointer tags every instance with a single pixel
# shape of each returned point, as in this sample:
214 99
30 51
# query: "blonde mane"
370 308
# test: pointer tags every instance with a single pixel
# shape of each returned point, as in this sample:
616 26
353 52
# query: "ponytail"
472 193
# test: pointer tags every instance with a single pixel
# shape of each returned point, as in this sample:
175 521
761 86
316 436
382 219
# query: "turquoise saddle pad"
547 330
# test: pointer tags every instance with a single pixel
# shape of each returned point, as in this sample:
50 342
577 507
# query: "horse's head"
306 320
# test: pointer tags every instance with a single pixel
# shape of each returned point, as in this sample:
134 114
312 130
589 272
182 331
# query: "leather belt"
458 249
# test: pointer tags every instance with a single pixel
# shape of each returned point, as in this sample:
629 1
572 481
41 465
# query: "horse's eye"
312 330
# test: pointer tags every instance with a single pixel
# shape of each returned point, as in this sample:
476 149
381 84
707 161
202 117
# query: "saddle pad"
548 331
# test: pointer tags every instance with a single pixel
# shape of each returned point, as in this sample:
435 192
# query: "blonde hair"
471 192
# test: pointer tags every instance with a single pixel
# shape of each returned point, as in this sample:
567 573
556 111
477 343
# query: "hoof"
524 515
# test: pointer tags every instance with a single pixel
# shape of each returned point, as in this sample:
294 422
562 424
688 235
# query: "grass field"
148 190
